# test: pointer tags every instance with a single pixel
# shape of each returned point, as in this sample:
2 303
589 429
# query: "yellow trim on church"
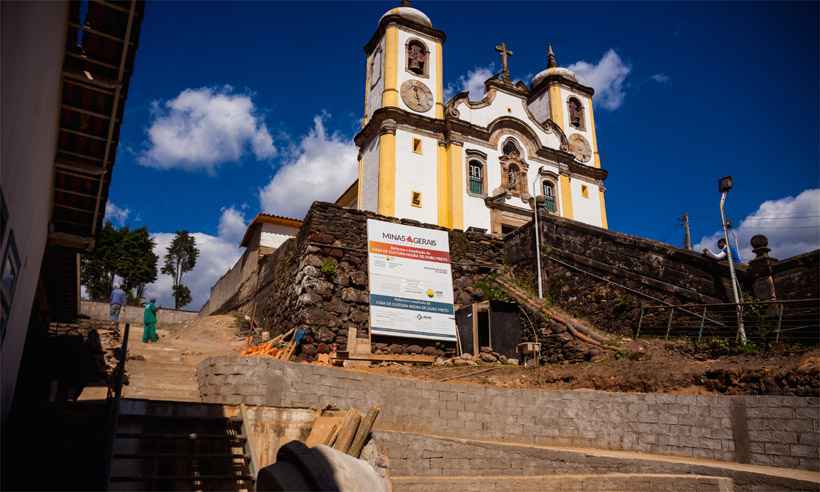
387 174
566 197
443 186
596 156
360 186
603 209
390 96
556 108
456 184
439 82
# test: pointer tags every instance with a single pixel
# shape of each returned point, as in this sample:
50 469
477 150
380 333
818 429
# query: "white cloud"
607 77
217 254
321 167
792 225
472 82
201 128
660 78
117 215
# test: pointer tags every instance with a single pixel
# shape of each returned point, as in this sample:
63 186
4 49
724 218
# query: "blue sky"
693 91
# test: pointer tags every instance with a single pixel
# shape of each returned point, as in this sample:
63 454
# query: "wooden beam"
98 33
99 85
81 134
81 167
85 111
72 192
110 5
76 209
90 60
70 240
419 359
81 156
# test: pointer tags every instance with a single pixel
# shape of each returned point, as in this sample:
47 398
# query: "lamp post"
724 185
537 233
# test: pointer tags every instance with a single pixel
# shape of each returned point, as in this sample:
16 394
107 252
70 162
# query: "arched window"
550 204
476 177
510 149
417 55
576 113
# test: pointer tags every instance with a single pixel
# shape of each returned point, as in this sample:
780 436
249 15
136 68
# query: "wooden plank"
476 347
323 429
421 359
347 431
363 431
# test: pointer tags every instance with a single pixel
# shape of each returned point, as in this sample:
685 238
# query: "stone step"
565 483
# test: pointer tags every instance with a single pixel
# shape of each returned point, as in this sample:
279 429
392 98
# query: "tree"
128 254
180 258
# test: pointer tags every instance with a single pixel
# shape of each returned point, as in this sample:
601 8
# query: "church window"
511 149
550 204
415 199
476 177
576 113
417 58
584 191
417 145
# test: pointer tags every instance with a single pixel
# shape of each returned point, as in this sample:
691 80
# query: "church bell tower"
404 94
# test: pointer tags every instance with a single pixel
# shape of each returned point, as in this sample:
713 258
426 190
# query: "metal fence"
793 321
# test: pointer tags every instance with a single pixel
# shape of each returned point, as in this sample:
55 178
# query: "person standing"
117 302
724 251
149 321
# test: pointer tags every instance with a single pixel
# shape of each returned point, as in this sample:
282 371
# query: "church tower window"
476 177
417 58
576 113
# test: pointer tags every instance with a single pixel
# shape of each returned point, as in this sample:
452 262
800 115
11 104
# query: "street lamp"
535 198
724 185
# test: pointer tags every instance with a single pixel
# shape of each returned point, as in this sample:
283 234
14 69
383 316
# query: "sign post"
411 282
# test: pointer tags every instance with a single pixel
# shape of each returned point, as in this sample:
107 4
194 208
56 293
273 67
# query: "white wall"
587 210
540 107
374 98
273 235
416 172
431 82
33 43
370 183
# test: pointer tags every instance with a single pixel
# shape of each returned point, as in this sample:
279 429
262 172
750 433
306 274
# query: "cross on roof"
505 63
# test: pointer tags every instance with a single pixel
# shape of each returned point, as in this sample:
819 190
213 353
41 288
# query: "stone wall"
798 277
133 314
319 280
582 264
768 430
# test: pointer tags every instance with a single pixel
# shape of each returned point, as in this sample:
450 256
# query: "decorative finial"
406 3
551 61
505 62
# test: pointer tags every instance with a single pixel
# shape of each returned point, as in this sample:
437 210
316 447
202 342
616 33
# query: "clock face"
579 147
416 96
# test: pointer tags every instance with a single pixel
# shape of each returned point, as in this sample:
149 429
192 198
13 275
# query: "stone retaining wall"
133 314
768 430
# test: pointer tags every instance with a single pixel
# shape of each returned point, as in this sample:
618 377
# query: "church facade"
461 163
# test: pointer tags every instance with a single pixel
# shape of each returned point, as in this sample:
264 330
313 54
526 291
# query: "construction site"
369 350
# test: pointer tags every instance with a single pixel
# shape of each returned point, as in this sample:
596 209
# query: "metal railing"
794 321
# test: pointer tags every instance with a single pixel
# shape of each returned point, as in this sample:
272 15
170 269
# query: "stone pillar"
761 268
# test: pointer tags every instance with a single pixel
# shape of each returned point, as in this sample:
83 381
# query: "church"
471 164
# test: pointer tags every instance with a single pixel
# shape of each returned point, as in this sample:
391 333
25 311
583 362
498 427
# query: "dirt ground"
651 366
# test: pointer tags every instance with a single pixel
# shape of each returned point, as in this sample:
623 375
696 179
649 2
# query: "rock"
414 349
395 348
440 361
136 357
380 346
502 358
338 306
466 356
308 349
325 335
487 357
340 340
358 278
349 294
511 362
323 348
459 362
309 298
313 260
486 350
430 351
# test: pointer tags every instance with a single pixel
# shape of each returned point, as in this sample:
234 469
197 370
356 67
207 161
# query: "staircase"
163 445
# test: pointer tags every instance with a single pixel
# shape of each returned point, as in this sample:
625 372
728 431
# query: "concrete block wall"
133 314
767 430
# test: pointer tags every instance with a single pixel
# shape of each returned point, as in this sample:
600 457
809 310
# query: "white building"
465 163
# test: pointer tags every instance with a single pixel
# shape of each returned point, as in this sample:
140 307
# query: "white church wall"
374 97
416 172
370 184
540 107
476 213
586 209
273 235
506 105
431 81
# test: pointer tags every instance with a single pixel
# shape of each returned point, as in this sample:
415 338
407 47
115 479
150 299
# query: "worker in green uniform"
149 321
